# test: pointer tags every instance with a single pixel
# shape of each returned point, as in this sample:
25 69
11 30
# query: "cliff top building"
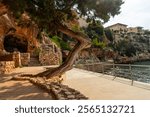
120 31
118 27
136 30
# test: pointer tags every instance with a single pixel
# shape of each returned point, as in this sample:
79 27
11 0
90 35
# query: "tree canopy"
51 13
54 15
95 31
125 48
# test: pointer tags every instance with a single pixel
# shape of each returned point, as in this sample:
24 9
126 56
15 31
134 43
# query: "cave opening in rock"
13 43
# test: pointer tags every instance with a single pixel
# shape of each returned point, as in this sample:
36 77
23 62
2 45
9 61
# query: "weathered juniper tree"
53 15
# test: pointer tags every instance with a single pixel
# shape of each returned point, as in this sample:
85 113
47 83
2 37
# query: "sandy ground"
98 86
93 85
22 90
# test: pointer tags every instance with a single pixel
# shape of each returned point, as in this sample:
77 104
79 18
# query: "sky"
133 13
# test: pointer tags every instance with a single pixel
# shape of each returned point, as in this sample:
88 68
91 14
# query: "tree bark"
82 42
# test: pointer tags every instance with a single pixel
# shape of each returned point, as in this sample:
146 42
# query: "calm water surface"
139 73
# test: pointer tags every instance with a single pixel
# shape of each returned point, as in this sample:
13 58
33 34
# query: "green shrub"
60 43
97 43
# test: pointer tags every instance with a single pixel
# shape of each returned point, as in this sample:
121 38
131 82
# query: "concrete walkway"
98 86
92 85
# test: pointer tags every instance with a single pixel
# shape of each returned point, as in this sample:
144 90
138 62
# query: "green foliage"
49 14
60 43
16 6
95 30
76 28
102 9
125 48
36 51
56 40
109 35
147 32
96 27
97 43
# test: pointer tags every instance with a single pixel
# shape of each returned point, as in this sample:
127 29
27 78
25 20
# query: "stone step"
34 61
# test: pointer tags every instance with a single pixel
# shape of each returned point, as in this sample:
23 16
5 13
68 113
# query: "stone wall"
16 59
86 56
6 66
50 55
21 59
25 59
11 61
6 57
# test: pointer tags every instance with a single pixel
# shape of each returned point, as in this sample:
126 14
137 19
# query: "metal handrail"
116 64
115 67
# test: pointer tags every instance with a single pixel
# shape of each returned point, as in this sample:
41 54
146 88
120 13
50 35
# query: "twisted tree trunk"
82 42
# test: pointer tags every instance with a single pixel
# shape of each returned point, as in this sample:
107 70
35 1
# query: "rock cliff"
17 36
21 35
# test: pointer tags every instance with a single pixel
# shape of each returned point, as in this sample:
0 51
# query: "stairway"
34 61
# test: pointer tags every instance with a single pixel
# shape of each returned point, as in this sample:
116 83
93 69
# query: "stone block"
50 55
6 66
25 59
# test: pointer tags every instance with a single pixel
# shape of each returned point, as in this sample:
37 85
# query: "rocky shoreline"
129 60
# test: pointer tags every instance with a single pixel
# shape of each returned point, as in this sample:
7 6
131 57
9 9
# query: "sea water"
139 71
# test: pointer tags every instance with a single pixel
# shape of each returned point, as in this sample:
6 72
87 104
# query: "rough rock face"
25 59
86 56
6 66
28 31
50 53
5 26
21 37
17 36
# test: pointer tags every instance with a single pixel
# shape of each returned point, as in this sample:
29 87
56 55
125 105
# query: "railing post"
114 71
88 67
93 68
130 71
103 68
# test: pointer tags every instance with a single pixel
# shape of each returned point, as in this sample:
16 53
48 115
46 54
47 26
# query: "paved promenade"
98 86
93 85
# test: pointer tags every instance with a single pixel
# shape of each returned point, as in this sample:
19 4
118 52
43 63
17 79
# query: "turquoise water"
138 73
144 72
